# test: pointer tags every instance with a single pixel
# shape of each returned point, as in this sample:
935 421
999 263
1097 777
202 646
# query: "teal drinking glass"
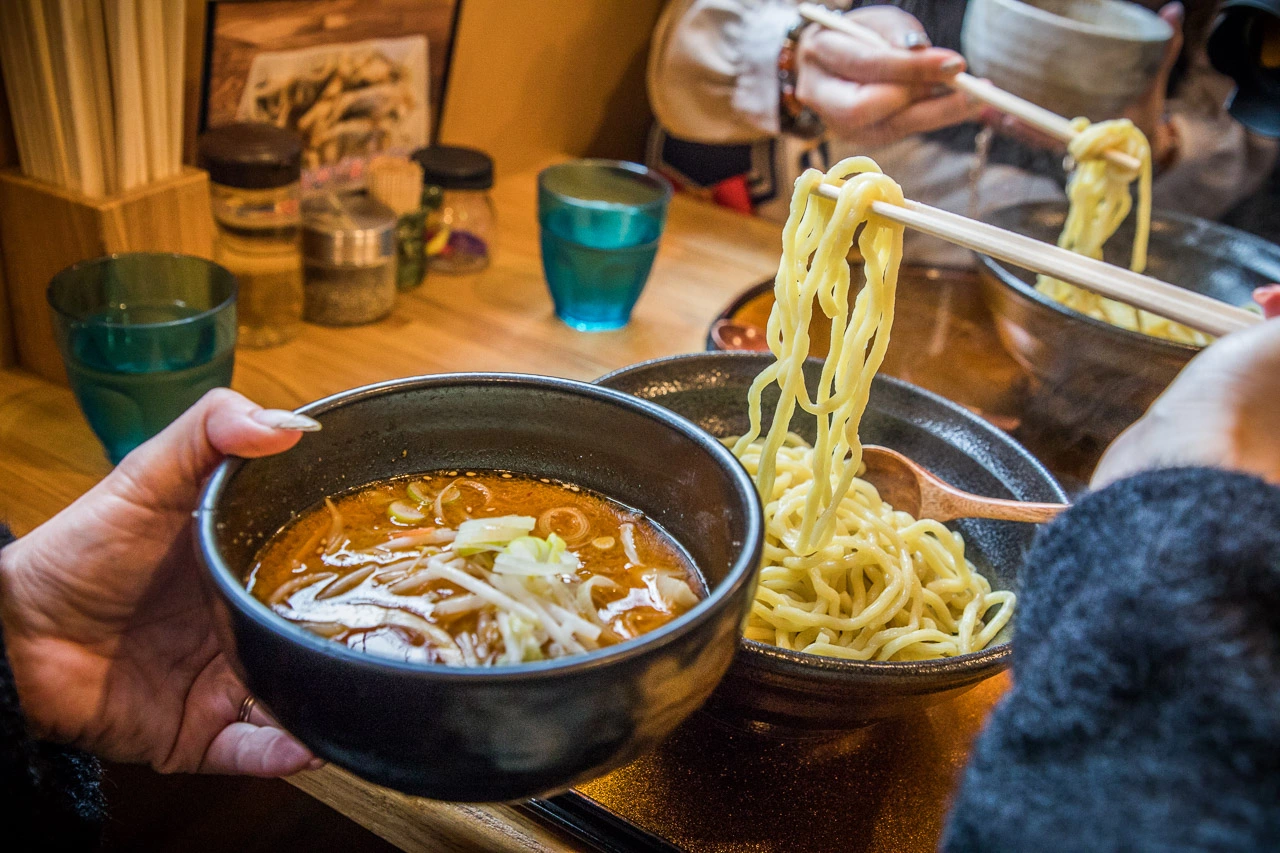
600 221
143 337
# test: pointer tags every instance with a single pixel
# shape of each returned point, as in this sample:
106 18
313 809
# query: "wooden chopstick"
69 35
100 79
66 169
1141 291
95 88
175 34
155 92
1037 116
126 85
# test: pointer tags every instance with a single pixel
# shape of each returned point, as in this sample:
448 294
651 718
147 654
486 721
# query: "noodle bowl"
776 690
486 733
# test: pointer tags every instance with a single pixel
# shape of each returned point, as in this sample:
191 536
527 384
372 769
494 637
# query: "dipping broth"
474 568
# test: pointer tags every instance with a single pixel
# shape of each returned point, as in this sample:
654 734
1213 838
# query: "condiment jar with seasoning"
349 249
254 173
460 217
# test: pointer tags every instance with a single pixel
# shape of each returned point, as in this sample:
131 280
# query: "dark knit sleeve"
1145 707
50 794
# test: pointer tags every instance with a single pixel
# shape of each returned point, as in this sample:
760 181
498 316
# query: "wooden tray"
712 789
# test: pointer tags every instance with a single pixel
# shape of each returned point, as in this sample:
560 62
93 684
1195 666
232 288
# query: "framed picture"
354 78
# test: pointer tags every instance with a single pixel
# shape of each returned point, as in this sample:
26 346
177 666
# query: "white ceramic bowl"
1076 57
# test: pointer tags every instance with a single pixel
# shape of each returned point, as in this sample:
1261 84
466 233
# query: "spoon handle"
968 506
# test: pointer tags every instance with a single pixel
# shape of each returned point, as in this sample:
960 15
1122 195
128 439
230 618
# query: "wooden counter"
501 320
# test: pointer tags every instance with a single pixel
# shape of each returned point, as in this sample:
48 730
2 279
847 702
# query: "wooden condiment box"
44 229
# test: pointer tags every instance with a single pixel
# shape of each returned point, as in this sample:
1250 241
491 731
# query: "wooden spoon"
908 487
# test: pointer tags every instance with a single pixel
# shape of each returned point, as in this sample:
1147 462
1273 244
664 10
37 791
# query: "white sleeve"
712 73
1219 161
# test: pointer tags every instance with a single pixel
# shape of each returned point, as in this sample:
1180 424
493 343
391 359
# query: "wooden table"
500 319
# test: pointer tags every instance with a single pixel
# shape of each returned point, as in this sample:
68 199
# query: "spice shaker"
460 217
397 183
349 250
254 184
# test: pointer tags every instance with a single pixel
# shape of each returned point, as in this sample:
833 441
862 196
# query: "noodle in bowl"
1091 378
847 577
795 694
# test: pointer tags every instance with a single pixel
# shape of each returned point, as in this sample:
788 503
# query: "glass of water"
600 221
143 336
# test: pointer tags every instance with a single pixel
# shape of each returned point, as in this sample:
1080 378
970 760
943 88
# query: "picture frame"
354 78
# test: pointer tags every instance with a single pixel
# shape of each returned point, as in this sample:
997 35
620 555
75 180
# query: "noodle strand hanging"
1100 200
845 575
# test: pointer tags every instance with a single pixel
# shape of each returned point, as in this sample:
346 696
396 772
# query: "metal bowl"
1093 379
508 732
795 694
1076 57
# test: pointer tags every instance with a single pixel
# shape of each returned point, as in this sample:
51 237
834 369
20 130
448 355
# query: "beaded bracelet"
794 118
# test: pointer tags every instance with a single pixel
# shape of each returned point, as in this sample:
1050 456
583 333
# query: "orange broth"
356 589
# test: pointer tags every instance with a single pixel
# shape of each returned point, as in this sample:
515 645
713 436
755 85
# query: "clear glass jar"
254 184
460 214
459 229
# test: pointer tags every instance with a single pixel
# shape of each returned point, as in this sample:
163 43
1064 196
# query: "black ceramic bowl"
1094 379
503 733
795 694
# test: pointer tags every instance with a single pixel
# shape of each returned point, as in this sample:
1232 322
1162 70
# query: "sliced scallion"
405 513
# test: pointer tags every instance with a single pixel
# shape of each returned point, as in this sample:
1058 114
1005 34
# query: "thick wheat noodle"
1100 200
845 575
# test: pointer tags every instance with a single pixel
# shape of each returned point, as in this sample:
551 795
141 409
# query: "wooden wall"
536 78
531 79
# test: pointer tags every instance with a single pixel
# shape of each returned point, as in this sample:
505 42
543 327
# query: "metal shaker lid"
350 230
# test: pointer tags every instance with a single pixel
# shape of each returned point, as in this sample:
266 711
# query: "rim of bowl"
741 570
115 256
1044 16
968 662
1009 279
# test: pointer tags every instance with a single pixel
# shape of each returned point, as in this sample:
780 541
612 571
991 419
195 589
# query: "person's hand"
1148 112
876 95
1222 411
107 629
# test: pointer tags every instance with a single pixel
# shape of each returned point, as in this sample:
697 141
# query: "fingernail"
915 41
284 419
952 65
316 764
